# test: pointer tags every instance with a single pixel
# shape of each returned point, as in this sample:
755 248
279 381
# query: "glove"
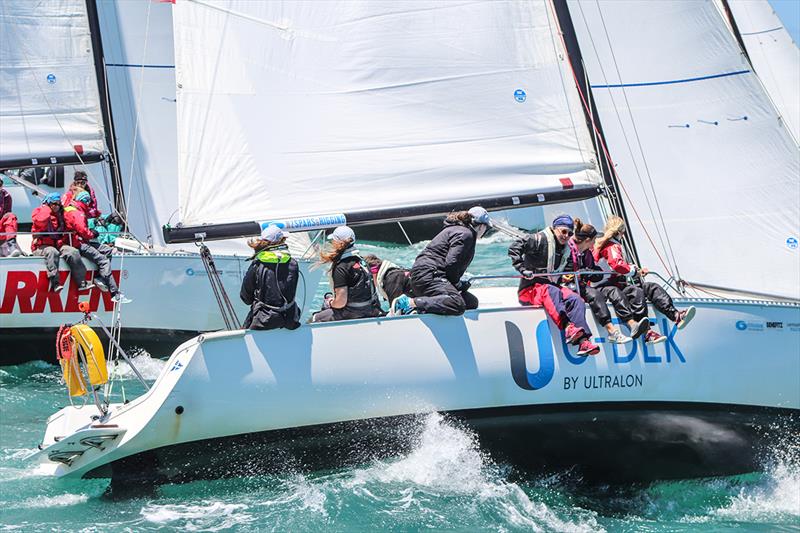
463 285
527 274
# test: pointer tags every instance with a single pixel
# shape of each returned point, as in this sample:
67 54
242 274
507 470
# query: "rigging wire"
668 248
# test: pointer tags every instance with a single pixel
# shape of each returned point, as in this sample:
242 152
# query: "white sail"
48 86
311 108
774 55
711 176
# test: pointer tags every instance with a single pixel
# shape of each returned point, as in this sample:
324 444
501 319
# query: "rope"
225 306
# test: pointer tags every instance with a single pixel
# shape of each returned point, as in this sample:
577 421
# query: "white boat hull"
327 394
172 301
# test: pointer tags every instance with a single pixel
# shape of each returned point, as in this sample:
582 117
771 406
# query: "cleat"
640 328
587 347
85 286
654 338
401 306
574 334
120 298
682 318
617 337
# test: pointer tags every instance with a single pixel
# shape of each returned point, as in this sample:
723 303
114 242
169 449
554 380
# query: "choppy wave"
202 516
61 500
149 367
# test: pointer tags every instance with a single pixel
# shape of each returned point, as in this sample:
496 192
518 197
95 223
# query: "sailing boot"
682 318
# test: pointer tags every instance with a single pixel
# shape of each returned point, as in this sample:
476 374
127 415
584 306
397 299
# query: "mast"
244 229
593 117
105 108
736 33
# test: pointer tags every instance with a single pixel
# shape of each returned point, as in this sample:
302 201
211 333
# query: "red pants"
8 227
561 304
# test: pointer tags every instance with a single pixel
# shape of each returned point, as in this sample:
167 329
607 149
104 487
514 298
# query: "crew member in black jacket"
436 277
270 284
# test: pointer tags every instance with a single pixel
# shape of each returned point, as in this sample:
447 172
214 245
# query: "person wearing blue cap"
354 294
539 254
270 284
49 242
437 275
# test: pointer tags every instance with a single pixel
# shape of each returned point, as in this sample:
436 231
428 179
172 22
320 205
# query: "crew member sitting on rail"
608 253
391 280
75 215
536 255
49 242
8 226
354 294
437 275
81 183
582 260
270 284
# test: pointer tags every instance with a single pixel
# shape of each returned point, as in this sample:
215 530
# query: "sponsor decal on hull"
621 354
28 291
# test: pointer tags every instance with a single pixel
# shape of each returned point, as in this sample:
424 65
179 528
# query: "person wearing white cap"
437 275
354 294
270 284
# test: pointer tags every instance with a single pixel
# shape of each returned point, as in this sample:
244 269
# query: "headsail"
48 95
709 170
311 108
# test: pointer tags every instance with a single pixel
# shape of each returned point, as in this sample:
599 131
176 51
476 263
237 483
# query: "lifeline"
612 382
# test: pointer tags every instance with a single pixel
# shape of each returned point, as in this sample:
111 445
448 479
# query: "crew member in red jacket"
81 183
75 216
8 226
48 241
609 255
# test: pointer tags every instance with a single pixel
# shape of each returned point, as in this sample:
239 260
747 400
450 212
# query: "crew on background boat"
391 281
49 242
582 260
608 254
8 226
354 294
81 183
534 256
75 218
437 275
270 284
108 227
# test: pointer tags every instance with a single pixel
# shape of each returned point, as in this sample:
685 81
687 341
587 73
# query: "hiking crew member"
354 294
437 275
609 255
270 284
75 215
582 260
81 183
536 255
390 280
8 226
48 242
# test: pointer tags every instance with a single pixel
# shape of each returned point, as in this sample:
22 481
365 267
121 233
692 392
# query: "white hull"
503 370
172 300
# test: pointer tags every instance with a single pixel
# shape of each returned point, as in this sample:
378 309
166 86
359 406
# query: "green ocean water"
446 482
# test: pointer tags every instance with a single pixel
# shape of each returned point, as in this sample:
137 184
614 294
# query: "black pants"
630 302
99 255
598 303
261 317
345 313
435 294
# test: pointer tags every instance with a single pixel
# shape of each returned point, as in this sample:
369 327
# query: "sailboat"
384 111
56 113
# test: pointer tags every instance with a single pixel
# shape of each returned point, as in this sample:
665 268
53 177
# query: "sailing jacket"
75 222
48 222
582 262
93 211
540 253
611 257
449 253
5 202
269 288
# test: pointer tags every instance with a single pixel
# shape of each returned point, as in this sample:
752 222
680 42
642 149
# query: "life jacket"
362 293
273 256
45 226
611 258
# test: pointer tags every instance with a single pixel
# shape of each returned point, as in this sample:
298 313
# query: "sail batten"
49 102
306 108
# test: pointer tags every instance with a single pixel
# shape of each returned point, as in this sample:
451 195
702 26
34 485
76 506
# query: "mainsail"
310 108
48 86
708 169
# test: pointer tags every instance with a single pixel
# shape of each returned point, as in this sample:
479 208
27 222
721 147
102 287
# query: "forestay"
775 57
48 86
709 172
307 108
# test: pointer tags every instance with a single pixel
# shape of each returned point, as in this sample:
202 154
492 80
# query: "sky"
789 13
